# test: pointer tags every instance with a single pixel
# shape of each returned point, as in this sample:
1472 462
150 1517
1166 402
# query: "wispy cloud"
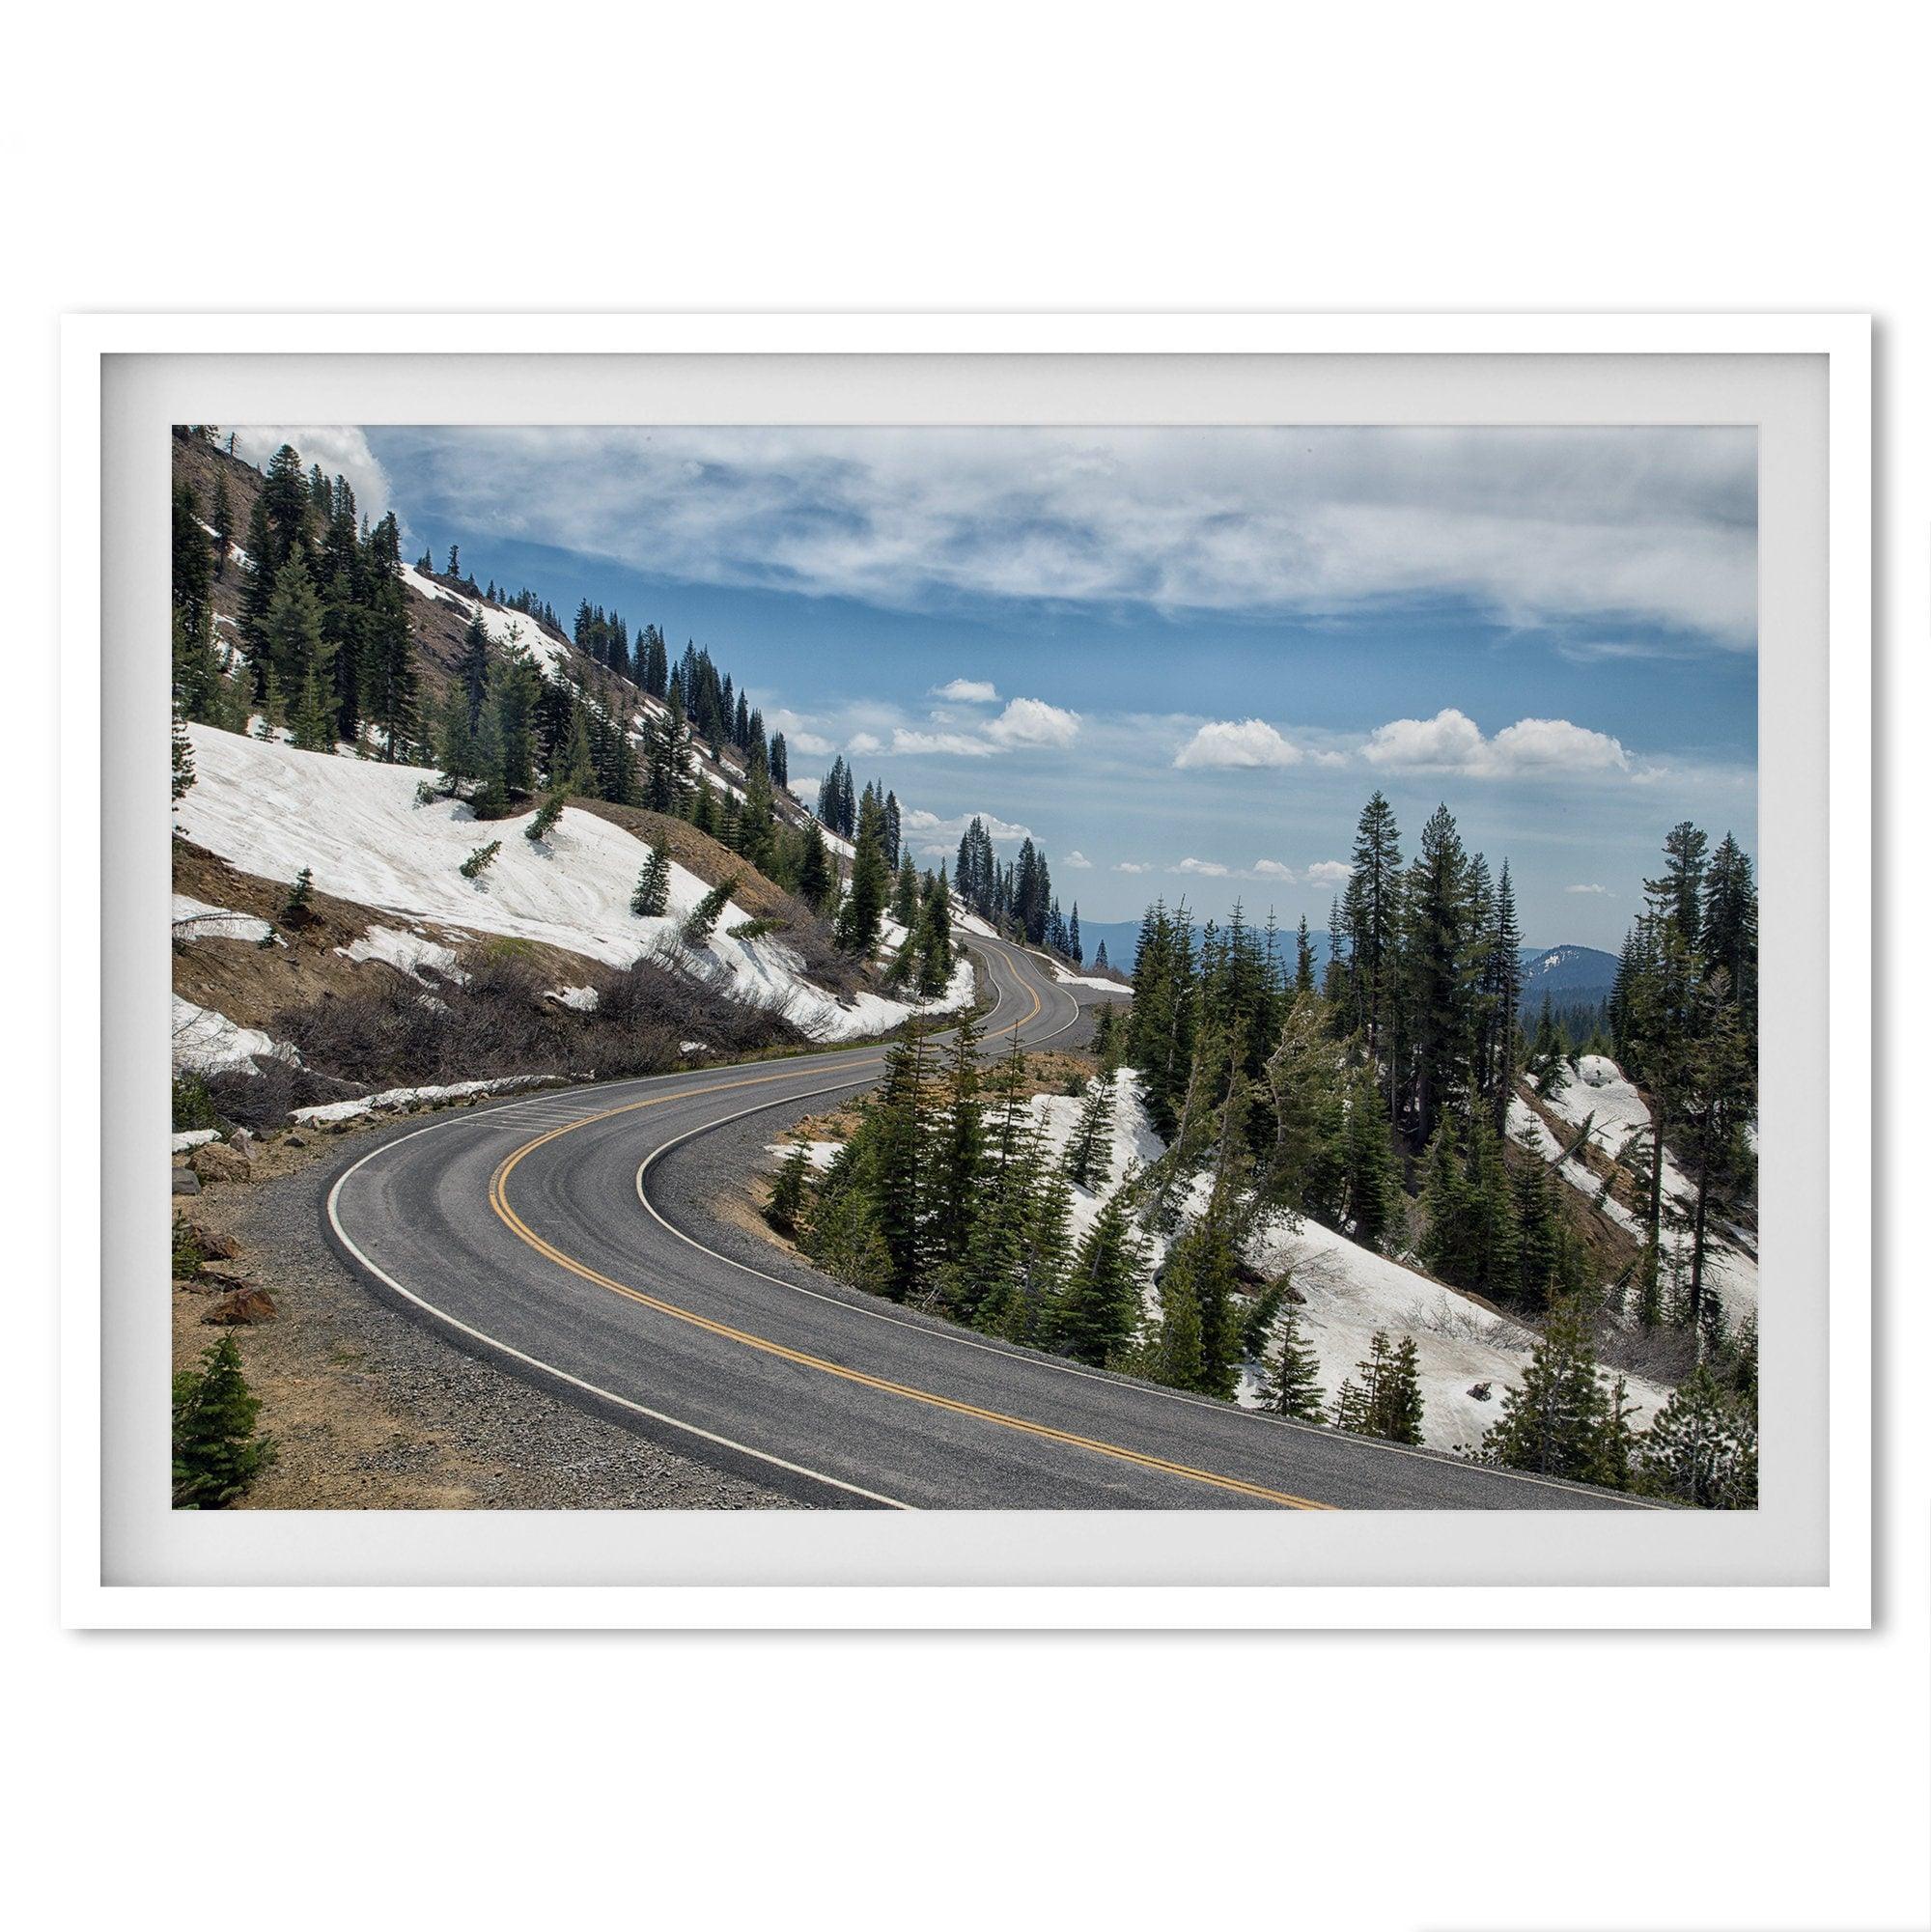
1537 527
967 691
1601 892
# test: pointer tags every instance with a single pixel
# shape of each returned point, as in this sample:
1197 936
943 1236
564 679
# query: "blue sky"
1185 658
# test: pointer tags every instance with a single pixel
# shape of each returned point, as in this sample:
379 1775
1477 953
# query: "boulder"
242 1142
214 1246
187 1180
241 1308
218 1162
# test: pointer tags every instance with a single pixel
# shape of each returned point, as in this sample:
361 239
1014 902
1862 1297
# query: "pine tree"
221 518
543 821
1201 1275
1703 1448
475 670
217 1453
1371 910
817 882
864 907
1386 1401
1290 1379
1560 1421
789 1192
296 908
651 900
1089 1153
958 1167
1099 1308
703 920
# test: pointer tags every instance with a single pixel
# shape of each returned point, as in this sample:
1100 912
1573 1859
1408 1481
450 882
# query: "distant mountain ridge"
1570 975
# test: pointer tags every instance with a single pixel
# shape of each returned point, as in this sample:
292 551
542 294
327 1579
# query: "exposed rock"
242 1142
187 1180
217 1163
241 1308
214 1246
230 1275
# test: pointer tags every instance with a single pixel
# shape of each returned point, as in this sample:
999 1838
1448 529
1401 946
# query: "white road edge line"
550 1368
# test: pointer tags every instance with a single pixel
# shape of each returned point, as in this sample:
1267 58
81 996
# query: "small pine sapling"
785 1209
652 898
217 1451
296 911
698 928
481 859
548 812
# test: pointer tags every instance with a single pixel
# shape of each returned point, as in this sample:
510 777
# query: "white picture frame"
376 356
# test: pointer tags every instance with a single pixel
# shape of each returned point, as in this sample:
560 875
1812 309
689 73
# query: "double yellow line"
499 1202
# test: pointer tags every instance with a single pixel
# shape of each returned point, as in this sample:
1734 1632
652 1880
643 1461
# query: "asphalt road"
535 1233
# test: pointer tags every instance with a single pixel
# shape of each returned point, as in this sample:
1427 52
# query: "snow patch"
396 1098
578 999
207 1041
194 920
200 1137
408 952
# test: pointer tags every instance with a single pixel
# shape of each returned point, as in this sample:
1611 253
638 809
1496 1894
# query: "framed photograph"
1063 971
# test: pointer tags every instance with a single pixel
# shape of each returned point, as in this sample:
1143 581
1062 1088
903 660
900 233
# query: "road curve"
533 1232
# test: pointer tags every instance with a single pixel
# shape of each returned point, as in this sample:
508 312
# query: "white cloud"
1601 529
1328 872
1601 890
1077 862
1555 744
944 743
1453 742
343 452
967 691
1205 868
1272 868
1131 865
810 743
1032 721
1249 746
862 741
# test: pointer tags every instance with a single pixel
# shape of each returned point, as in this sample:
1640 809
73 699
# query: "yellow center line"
500 1204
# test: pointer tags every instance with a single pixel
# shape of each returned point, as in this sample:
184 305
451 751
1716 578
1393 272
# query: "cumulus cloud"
810 743
1077 862
1328 872
1205 868
341 451
1247 745
1600 889
1032 721
1272 868
967 691
1132 865
1453 742
1592 529
863 742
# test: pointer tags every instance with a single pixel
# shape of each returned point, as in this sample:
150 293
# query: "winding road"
546 1234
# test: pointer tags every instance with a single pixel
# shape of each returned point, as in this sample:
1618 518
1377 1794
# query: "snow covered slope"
355 824
1600 1093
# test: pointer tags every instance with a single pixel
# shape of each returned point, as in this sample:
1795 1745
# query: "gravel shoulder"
372 1409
